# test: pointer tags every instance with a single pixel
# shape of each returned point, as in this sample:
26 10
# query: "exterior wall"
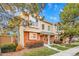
52 38
36 28
46 27
54 29
7 39
43 38
31 29
28 39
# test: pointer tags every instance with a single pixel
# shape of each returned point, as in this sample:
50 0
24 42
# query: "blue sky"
52 11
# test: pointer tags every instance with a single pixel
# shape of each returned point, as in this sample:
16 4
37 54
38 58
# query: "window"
48 28
43 26
33 36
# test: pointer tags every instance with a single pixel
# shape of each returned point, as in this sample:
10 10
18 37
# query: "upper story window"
48 28
43 26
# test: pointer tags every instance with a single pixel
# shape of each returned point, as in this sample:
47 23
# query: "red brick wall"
42 37
26 38
52 38
6 39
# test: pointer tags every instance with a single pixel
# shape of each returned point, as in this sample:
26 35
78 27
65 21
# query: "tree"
11 9
70 19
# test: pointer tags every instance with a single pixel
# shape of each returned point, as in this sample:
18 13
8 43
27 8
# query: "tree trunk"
18 35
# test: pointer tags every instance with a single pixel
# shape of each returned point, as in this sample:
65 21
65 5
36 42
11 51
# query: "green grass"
59 47
40 52
71 45
67 46
77 41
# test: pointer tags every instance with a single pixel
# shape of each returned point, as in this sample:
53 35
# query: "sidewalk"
69 52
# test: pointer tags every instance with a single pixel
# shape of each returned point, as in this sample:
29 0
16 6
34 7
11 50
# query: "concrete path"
46 45
69 52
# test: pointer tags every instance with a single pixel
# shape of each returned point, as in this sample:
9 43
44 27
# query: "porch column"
48 39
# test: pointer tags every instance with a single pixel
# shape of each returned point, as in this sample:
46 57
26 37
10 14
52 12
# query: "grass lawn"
59 47
75 43
67 46
71 45
40 52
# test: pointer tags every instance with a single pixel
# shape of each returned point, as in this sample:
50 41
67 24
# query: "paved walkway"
69 52
46 45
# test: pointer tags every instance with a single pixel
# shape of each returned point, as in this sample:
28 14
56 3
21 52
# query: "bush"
8 48
33 44
57 42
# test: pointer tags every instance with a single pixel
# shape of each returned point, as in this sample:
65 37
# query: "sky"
52 11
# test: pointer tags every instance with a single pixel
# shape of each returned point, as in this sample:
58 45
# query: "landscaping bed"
40 52
34 44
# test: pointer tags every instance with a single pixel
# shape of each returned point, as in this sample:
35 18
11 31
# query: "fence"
7 39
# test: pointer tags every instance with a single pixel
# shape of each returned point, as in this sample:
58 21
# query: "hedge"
8 48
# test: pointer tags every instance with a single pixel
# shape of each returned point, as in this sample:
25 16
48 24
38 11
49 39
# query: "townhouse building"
37 30
33 28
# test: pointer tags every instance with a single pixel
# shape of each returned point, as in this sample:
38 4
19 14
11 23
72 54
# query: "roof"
46 22
39 17
49 33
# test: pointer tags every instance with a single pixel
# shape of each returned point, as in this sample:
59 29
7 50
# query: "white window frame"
31 36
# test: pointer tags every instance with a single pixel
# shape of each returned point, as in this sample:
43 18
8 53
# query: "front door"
44 38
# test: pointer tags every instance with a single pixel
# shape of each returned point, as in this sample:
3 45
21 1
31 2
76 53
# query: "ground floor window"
33 36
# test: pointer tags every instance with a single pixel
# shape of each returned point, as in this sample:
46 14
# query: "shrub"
57 42
8 48
33 44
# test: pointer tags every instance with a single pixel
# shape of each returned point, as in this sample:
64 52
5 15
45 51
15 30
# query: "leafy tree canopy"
70 17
